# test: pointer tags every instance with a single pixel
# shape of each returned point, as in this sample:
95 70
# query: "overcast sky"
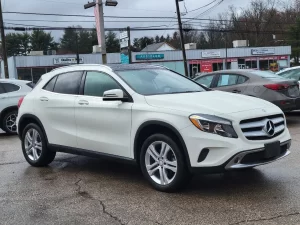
165 8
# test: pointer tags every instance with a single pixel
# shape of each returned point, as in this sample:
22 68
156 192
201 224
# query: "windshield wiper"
178 92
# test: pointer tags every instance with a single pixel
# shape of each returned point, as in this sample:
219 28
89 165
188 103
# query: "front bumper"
236 162
252 158
228 153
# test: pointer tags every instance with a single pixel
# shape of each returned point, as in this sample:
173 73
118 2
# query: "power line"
92 21
205 11
140 29
202 6
142 17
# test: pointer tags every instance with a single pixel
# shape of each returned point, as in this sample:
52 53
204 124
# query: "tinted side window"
97 83
242 79
10 87
68 83
2 91
50 85
207 80
227 80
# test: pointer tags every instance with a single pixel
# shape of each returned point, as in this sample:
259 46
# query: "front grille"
253 129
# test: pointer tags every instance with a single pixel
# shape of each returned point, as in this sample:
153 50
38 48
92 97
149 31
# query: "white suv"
168 124
10 93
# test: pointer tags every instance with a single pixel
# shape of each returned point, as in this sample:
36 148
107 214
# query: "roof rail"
76 65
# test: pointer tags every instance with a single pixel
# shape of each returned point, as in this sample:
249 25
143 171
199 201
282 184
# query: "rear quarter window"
10 87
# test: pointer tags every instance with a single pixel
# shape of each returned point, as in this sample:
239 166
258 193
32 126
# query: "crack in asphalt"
107 213
88 196
265 219
11 163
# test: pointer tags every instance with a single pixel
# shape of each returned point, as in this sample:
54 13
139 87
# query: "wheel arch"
146 129
6 110
29 118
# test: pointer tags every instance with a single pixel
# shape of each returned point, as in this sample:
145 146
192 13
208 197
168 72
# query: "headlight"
214 125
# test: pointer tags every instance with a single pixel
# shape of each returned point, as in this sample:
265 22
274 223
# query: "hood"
209 102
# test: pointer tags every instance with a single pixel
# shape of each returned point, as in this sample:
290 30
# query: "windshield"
158 81
266 74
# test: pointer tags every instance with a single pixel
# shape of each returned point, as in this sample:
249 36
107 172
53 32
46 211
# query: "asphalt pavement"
81 190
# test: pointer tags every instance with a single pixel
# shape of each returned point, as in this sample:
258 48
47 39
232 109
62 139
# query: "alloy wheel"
161 163
33 144
11 124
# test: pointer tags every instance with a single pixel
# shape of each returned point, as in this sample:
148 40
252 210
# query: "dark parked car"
281 91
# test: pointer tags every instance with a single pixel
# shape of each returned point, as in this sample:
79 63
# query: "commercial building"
32 67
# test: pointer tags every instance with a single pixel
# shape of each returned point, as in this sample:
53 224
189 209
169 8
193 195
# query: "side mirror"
114 95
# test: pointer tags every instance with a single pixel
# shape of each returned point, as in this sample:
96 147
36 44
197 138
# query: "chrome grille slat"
261 123
253 129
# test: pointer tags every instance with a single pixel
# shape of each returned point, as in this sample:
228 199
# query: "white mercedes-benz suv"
168 124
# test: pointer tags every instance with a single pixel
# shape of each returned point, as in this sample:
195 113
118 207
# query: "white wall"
12 70
165 47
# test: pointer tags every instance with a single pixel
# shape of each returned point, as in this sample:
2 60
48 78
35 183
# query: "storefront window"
251 64
37 73
24 74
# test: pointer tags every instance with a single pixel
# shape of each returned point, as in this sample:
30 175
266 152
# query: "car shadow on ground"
98 170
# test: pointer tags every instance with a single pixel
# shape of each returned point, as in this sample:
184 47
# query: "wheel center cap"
161 162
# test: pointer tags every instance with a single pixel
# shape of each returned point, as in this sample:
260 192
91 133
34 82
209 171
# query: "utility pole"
226 51
100 22
4 53
77 49
129 45
181 37
102 31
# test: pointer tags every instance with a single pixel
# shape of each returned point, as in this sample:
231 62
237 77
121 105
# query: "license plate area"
272 150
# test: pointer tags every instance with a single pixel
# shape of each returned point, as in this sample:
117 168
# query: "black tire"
46 155
182 175
10 127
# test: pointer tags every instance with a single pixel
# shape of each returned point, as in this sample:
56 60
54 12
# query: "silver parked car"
291 73
280 91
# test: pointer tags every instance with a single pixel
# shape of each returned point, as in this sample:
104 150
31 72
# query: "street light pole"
4 53
181 37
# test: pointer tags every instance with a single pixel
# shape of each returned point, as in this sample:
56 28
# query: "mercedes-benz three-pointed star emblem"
269 128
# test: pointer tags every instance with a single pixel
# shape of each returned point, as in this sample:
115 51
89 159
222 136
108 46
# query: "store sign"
124 58
232 60
206 67
269 58
123 35
210 54
250 59
149 56
283 57
194 62
67 60
263 51
124 43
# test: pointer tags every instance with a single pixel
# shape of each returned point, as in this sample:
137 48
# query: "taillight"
20 102
276 87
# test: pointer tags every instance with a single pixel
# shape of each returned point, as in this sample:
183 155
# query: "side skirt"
88 153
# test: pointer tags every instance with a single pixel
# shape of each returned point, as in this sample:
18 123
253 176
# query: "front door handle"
83 102
44 99
236 91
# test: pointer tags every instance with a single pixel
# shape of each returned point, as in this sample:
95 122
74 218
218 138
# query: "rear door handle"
44 99
83 102
236 91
